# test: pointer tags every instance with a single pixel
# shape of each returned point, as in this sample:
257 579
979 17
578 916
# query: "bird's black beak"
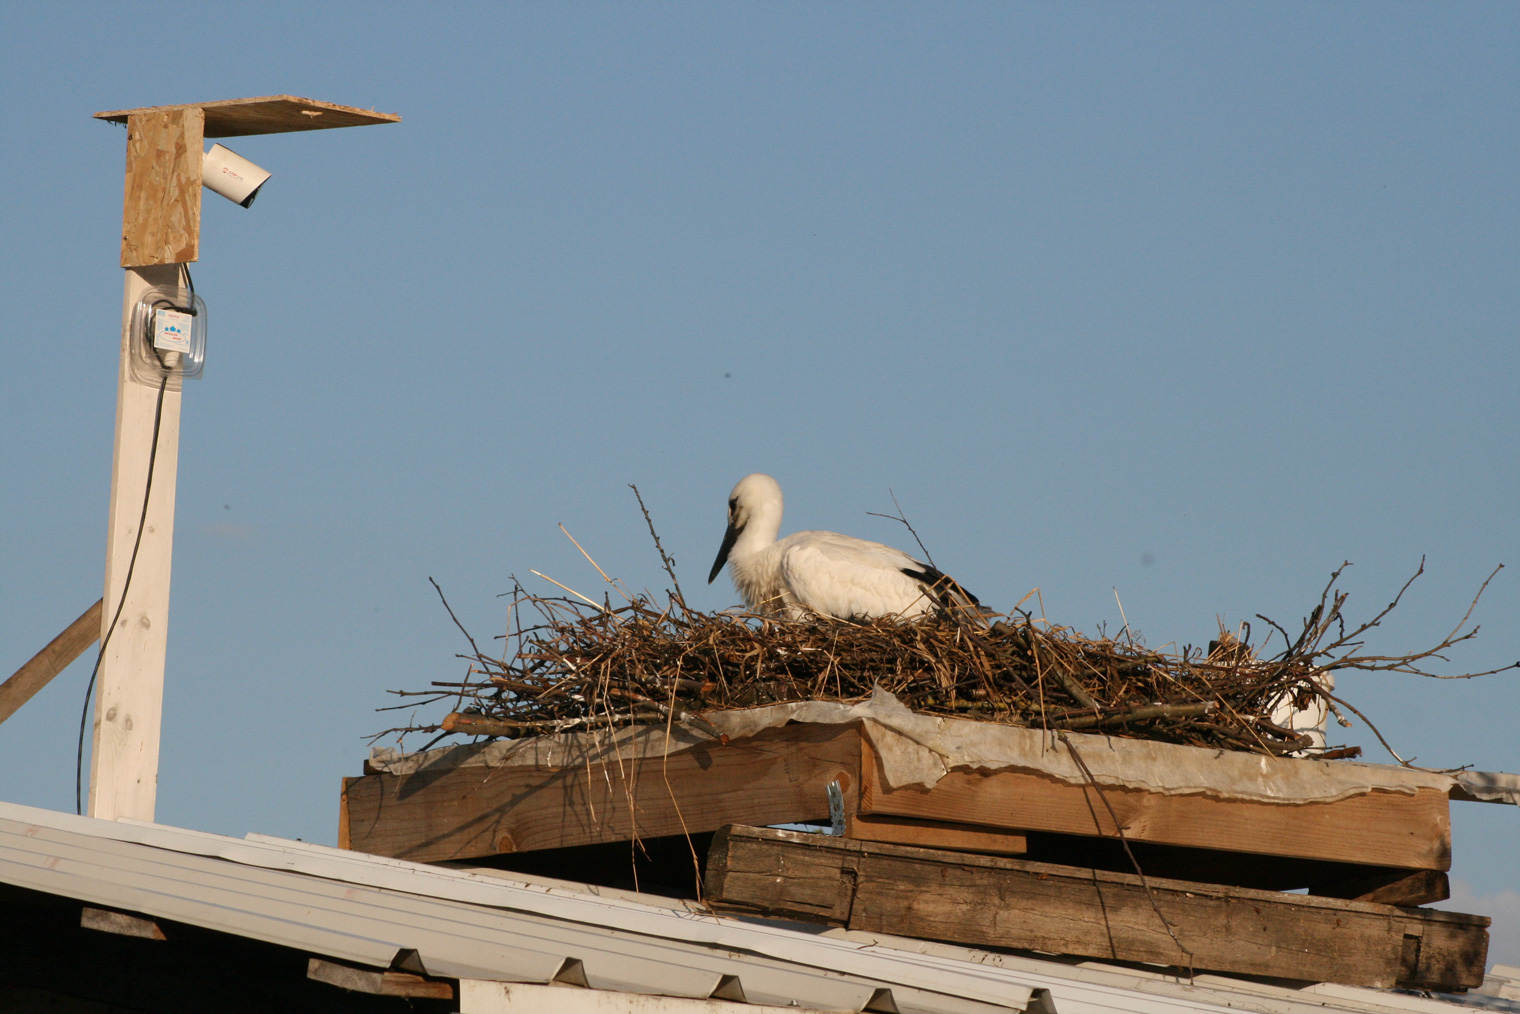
728 543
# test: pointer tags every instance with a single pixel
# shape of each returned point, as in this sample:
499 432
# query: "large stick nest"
570 663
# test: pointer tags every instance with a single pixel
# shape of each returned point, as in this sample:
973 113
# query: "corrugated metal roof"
367 909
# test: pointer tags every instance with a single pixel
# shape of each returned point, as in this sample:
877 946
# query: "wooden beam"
161 211
60 652
990 901
1395 887
778 776
936 834
1410 831
130 687
344 841
105 920
377 981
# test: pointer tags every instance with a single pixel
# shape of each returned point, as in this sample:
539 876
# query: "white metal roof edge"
1227 990
636 961
924 975
690 925
311 914
896 950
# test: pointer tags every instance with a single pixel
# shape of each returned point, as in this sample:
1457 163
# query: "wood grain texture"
161 209
778 776
343 836
269 114
991 901
1394 888
105 920
1377 829
53 659
129 692
936 834
376 981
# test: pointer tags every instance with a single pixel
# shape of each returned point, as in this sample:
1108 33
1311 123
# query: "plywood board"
161 210
778 776
991 901
270 114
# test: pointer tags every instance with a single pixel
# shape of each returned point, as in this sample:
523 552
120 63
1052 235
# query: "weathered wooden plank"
1000 902
50 661
1377 829
343 836
106 920
1395 887
1447 954
936 834
377 981
778 776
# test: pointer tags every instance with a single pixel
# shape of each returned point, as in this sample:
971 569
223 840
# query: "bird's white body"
1285 713
823 573
1312 720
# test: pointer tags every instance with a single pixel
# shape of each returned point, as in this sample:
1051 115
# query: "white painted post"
130 687
161 226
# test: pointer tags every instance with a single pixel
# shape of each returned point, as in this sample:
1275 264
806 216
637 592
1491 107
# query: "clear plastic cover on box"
168 336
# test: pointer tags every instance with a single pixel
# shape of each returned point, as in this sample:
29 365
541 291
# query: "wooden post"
130 687
161 223
160 230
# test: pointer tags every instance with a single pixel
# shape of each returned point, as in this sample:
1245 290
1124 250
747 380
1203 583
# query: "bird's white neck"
760 531
754 561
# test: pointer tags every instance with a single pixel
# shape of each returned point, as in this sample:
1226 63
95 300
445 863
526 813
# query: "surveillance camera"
232 175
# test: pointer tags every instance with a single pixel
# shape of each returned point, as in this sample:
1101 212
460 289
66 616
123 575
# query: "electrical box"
168 336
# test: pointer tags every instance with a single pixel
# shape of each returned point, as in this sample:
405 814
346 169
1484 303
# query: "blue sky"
1189 302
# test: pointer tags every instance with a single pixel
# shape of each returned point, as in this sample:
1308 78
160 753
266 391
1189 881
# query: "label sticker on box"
171 330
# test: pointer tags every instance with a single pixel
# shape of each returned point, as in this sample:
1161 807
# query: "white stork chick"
824 573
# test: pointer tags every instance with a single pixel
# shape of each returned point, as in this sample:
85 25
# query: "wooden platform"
1382 846
465 812
992 901
999 859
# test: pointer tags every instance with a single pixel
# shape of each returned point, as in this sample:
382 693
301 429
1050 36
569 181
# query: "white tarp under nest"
918 750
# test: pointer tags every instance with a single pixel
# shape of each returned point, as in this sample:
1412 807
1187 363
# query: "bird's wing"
952 596
847 578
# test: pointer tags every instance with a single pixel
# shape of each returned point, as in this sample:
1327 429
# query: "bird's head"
756 499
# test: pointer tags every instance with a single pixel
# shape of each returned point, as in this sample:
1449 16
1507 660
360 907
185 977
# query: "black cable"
158 414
